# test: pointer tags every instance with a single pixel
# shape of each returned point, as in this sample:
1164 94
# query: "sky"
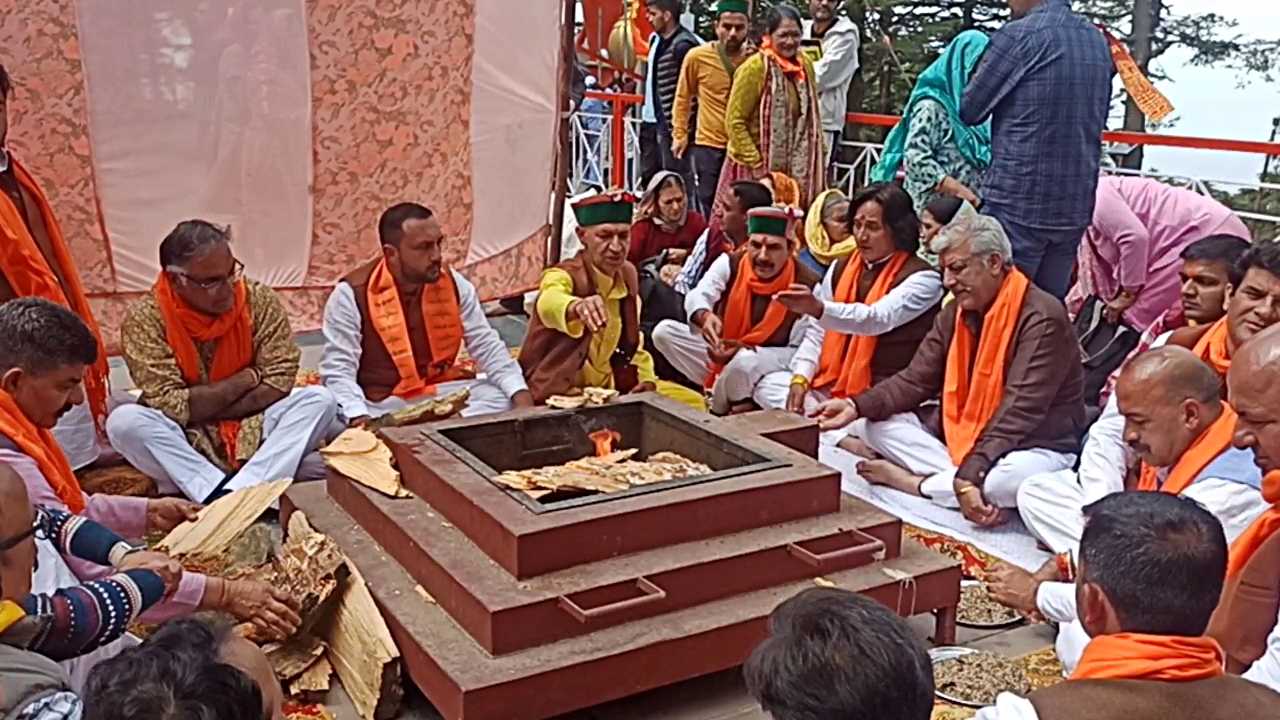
1208 103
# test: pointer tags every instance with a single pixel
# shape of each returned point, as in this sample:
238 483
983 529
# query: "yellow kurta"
704 77
554 298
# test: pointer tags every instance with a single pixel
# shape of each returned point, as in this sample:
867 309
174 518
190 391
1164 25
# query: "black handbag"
1104 346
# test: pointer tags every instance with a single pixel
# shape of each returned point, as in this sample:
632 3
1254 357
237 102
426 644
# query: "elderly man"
1247 621
43 360
1177 423
1006 362
1150 572
1050 503
873 309
36 262
394 327
215 359
585 328
738 332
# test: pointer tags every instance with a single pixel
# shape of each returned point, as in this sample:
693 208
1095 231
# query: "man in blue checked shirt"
1045 83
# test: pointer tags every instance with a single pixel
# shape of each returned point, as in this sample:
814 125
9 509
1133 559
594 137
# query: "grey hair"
829 205
985 235
189 240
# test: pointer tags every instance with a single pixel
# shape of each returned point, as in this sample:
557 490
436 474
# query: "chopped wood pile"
586 397
362 456
435 408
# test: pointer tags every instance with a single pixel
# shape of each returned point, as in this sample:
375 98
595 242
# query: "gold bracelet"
968 488
800 380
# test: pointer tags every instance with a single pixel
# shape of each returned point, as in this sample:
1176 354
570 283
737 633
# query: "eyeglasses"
42 528
216 284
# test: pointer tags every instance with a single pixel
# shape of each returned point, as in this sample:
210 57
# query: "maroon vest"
896 348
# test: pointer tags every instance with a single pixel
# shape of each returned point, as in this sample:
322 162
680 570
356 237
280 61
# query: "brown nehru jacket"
760 303
1246 615
550 359
1220 698
1043 404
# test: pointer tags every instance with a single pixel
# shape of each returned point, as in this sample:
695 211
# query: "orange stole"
30 276
846 360
1132 656
1211 443
233 332
39 445
1261 530
969 403
440 315
737 310
1212 347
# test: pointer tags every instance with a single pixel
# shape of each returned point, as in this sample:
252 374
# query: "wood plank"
222 521
362 651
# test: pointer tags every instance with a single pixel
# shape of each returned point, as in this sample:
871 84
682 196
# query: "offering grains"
977 678
978 609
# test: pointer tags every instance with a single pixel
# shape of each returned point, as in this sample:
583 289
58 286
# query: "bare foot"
856 446
883 472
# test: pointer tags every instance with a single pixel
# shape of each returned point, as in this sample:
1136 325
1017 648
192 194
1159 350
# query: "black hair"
6 83
943 208
899 213
40 336
391 224
777 14
751 194
1224 250
191 239
1261 256
177 674
1159 558
835 654
671 6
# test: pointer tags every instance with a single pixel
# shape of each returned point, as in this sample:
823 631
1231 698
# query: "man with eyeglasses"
216 362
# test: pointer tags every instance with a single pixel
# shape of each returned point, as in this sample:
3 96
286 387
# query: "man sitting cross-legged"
216 362
742 333
394 327
1177 422
1150 571
1050 503
1006 362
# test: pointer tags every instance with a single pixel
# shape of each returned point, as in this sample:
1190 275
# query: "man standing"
393 329
673 43
707 77
216 361
836 66
1045 84
738 332
1006 363
35 262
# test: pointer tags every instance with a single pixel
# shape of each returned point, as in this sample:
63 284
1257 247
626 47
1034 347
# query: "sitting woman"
826 231
663 221
931 145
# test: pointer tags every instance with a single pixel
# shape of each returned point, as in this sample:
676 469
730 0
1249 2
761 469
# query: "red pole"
619 139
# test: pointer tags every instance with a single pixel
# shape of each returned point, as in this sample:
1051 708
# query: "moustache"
1140 447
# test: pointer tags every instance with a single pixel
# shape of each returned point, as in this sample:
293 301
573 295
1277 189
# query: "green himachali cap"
605 209
769 221
732 6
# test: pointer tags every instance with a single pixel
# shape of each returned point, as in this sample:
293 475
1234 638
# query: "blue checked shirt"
1045 83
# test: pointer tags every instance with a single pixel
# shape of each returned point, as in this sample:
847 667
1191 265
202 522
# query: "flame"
604 440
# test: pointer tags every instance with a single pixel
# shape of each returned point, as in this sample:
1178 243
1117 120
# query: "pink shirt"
1140 228
127 517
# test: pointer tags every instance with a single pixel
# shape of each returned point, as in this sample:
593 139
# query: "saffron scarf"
39 445
737 309
969 402
440 316
793 66
1132 656
846 360
1211 443
233 333
1258 533
1212 347
30 276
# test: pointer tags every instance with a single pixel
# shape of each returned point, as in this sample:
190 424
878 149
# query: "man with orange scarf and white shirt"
1247 621
35 262
738 332
1005 361
393 329
1150 573
216 362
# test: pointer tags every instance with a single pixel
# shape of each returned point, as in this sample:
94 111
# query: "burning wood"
607 471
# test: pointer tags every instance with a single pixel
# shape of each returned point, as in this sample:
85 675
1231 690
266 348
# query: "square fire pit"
754 482
524 443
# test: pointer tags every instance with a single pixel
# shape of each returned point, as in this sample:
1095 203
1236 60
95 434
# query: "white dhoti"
1057 602
1052 507
687 352
158 447
772 393
77 436
486 399
904 440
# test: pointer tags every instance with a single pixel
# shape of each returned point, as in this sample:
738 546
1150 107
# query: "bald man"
1177 423
1247 621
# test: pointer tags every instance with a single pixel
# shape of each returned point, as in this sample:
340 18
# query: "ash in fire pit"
563 459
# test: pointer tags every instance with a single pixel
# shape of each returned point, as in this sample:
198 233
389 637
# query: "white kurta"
501 377
1266 671
1009 707
683 346
77 436
898 307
